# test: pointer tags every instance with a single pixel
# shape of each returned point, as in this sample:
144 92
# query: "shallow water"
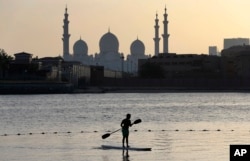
177 126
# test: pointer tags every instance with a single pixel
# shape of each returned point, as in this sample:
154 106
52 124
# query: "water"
177 126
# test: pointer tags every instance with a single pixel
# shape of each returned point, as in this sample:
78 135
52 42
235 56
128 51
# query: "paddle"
108 134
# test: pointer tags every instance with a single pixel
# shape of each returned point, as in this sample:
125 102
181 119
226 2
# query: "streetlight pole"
127 65
122 58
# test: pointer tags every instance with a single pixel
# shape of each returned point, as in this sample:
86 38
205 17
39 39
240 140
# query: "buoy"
135 130
30 133
69 132
149 130
5 135
18 134
43 133
55 132
218 130
176 130
81 131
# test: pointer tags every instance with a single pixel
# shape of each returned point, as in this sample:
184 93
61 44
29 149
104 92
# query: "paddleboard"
109 147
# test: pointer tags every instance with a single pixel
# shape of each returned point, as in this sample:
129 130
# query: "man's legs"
125 136
127 141
123 139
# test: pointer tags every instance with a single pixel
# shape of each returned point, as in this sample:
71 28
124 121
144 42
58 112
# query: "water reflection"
125 155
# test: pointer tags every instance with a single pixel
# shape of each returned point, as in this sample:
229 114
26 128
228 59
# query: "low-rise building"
236 62
185 65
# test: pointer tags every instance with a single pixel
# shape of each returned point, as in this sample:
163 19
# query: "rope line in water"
69 132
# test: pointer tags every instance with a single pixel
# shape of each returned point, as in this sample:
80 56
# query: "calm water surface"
177 126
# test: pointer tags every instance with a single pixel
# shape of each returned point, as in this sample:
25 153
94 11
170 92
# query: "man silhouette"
125 124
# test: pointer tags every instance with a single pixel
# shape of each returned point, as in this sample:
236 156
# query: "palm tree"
5 60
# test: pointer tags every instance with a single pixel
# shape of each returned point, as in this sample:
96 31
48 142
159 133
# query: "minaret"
165 34
66 36
157 38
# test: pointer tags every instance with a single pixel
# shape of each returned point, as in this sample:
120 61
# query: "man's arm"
122 123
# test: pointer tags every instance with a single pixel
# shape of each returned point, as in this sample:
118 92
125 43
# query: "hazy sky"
35 26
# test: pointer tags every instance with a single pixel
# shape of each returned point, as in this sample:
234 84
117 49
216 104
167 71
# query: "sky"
35 26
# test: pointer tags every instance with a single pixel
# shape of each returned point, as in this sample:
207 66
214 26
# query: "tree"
5 60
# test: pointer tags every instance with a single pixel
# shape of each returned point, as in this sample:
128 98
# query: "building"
165 34
185 65
157 38
66 35
23 68
80 52
109 55
236 62
212 50
23 58
137 50
235 42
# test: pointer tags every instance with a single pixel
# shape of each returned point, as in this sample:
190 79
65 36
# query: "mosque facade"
109 55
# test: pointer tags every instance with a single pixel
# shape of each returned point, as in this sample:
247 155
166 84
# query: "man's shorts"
125 132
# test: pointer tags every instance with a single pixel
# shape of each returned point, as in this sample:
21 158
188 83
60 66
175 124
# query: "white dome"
80 48
109 43
137 48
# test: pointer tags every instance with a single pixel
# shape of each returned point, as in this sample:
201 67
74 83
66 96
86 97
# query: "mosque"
109 55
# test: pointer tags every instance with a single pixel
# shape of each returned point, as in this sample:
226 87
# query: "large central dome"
109 43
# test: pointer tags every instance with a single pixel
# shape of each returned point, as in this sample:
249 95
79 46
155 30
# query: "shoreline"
67 88
35 88
154 90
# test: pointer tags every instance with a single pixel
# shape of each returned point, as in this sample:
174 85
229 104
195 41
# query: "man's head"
128 116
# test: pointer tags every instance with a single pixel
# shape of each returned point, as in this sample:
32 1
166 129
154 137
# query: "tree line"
5 61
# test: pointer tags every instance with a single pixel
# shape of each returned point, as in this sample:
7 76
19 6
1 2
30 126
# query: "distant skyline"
35 26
